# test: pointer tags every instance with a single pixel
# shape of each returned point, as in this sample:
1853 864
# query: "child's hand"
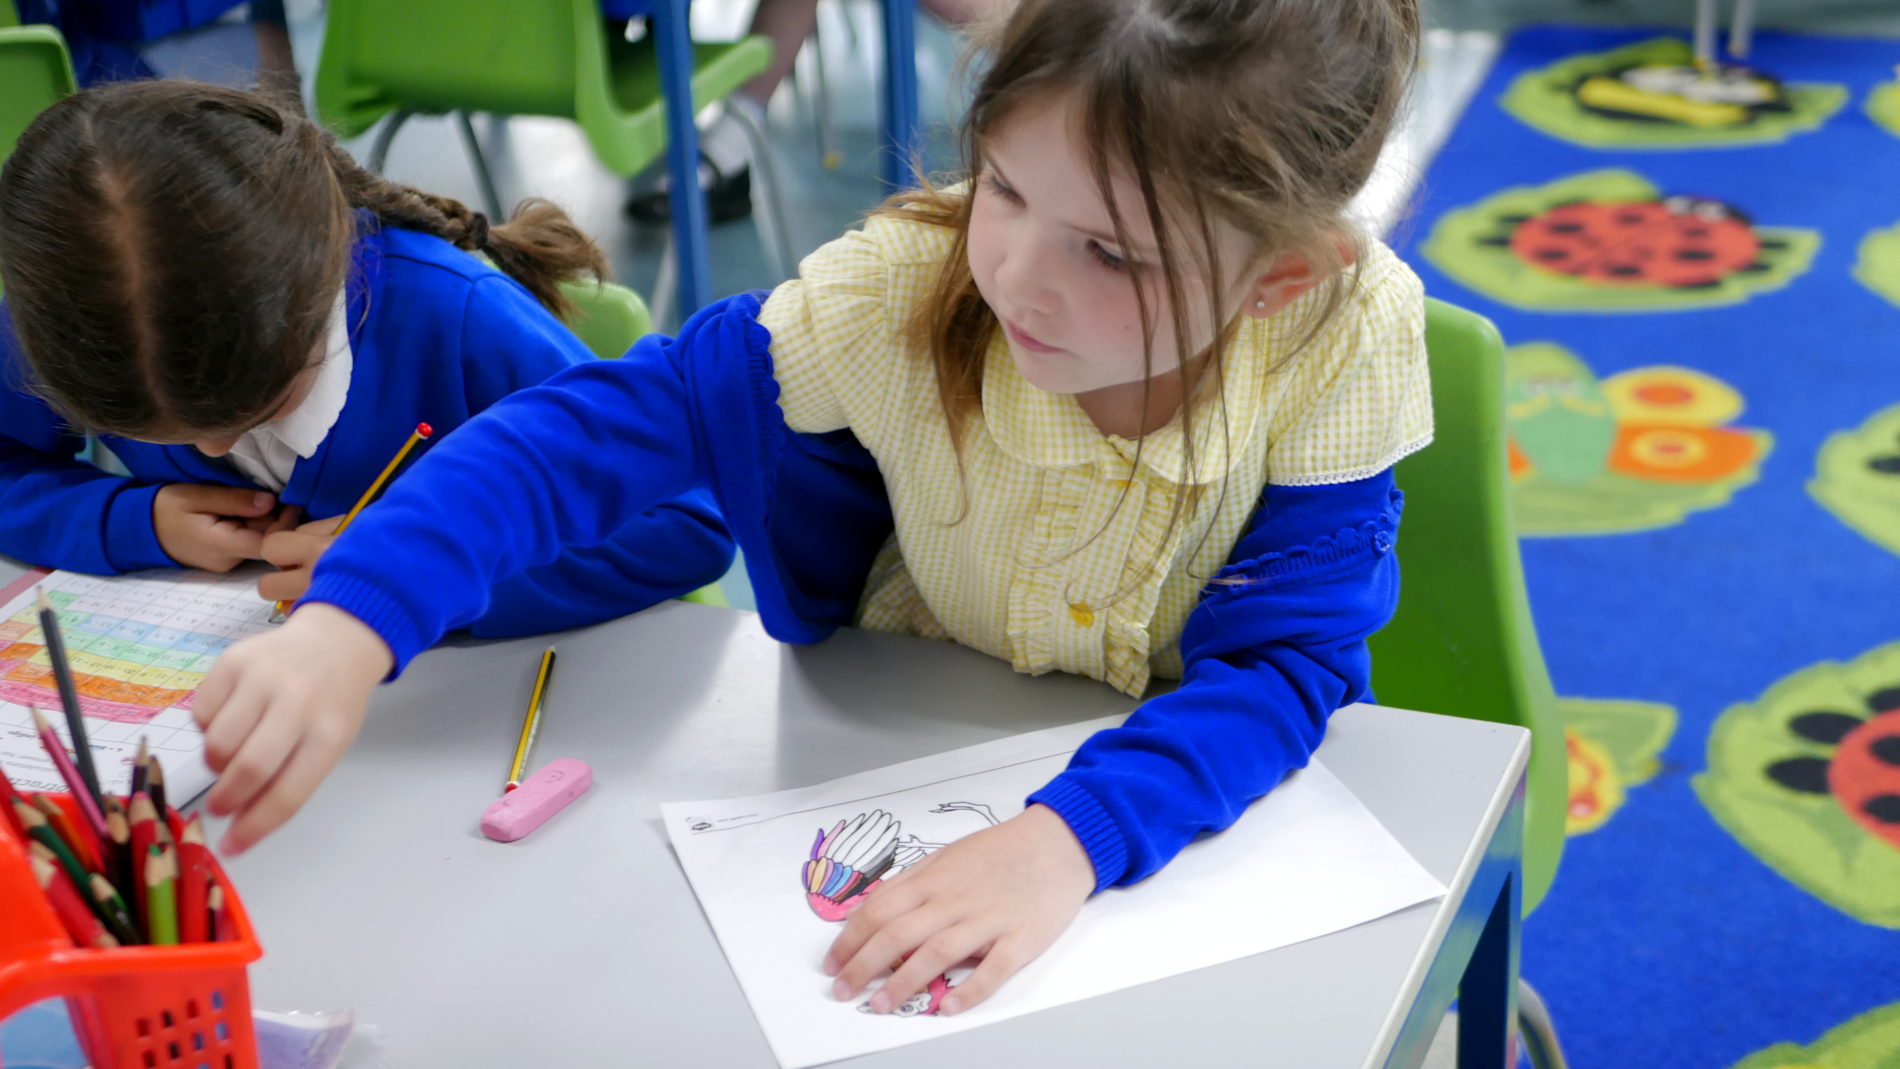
295 552
279 709
1002 895
210 527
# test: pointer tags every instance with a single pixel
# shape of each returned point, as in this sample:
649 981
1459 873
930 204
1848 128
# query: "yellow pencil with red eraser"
421 434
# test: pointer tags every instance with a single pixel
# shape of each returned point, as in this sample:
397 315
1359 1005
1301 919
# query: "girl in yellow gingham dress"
1013 577
1124 406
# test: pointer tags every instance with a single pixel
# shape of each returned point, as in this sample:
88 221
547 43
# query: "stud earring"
1259 304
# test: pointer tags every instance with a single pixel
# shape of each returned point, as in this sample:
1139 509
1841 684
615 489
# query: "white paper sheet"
139 646
1305 861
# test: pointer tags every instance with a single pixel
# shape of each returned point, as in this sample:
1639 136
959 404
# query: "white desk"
582 945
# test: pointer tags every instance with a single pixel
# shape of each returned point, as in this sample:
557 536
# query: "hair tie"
478 232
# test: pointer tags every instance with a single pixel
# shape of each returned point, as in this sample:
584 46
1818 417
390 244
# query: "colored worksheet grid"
139 645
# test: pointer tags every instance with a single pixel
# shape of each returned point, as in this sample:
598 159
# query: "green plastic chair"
527 57
1462 642
610 317
35 71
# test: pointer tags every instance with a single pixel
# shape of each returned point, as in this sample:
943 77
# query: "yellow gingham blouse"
1049 560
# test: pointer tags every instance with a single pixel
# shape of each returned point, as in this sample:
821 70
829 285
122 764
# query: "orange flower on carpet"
1680 454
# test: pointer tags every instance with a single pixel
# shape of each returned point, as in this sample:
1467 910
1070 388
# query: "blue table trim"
1477 962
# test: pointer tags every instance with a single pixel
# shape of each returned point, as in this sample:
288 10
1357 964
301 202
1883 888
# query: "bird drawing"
851 859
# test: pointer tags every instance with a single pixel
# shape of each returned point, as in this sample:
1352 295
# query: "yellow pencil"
422 432
530 723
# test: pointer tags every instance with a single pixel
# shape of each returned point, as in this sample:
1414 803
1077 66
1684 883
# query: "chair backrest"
612 317
1462 642
514 57
8 15
35 71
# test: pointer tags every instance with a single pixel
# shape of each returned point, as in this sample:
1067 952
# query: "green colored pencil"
40 831
111 909
161 901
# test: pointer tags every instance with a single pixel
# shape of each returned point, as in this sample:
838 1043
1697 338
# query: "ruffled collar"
1050 430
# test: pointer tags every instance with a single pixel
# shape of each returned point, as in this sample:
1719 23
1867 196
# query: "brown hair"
171 251
1267 114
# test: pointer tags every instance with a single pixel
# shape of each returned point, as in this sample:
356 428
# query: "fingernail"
951 1004
840 990
261 500
880 1002
228 846
830 966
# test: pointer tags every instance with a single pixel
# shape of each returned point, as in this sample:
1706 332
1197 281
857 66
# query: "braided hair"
171 252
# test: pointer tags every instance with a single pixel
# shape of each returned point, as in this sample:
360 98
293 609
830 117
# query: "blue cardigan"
1271 650
435 337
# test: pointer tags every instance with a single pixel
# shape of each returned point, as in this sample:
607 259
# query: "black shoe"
728 198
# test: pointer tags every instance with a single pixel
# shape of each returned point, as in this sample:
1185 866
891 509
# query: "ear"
1287 278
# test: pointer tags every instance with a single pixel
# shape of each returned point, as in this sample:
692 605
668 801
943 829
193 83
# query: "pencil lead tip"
45 604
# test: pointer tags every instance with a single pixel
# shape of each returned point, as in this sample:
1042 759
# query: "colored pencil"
83 847
531 723
118 844
111 909
155 786
161 902
422 432
8 795
41 832
194 873
89 806
144 835
73 912
68 694
141 765
84 882
220 920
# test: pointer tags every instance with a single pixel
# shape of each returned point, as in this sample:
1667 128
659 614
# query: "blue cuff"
131 538
377 610
1091 824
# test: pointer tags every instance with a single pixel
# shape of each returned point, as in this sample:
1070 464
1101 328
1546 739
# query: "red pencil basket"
141 1007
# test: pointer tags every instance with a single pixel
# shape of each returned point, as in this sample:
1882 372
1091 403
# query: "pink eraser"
539 797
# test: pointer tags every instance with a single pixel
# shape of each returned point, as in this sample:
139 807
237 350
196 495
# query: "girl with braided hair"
252 324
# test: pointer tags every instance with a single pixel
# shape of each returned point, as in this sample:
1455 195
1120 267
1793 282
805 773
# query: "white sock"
724 143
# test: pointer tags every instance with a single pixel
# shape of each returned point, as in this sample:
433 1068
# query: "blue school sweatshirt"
436 337
1276 643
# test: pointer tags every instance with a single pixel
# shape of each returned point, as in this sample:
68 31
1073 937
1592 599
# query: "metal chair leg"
379 149
770 203
1741 29
666 288
1705 33
828 151
480 162
1539 1035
